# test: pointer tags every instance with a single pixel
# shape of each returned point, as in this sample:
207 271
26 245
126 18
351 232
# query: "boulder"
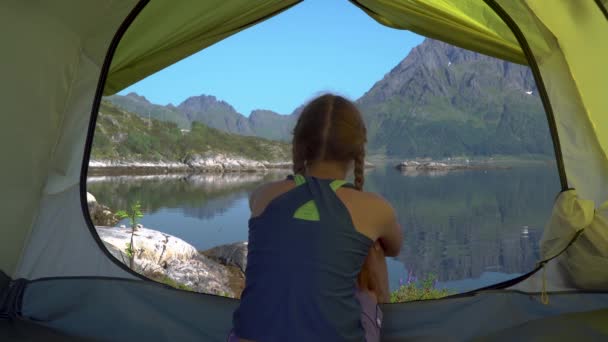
159 255
150 245
100 214
234 254
201 274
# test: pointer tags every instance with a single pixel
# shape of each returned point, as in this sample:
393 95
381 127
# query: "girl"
316 268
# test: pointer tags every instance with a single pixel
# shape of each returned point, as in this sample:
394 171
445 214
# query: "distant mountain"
442 101
213 113
268 124
439 101
135 103
122 135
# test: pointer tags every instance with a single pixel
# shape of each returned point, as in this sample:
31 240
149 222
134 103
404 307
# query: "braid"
359 168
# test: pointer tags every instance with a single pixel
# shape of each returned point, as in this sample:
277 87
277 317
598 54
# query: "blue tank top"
302 265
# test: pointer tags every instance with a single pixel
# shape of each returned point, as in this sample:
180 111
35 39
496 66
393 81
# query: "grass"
418 290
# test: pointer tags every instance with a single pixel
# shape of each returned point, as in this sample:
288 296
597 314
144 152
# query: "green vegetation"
121 135
133 213
418 290
442 101
138 104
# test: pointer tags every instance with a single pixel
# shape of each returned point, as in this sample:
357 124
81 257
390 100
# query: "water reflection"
467 223
470 228
202 196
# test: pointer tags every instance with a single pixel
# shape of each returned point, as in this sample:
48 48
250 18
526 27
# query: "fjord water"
469 228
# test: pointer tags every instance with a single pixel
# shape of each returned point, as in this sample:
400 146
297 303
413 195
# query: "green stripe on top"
299 179
337 184
308 211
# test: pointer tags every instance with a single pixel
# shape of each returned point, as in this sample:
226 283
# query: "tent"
59 282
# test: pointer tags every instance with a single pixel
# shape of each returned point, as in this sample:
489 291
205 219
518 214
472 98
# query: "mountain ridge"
438 101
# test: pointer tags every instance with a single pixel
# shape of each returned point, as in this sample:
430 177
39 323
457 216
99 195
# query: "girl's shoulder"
369 202
363 196
265 193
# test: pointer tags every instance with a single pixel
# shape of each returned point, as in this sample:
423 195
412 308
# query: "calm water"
470 228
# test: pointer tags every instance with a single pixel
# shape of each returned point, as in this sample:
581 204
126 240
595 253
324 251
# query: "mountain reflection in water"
470 228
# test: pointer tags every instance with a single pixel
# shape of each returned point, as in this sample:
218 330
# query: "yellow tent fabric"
469 24
168 31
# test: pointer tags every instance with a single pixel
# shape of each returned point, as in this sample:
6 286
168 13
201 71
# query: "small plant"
133 214
414 289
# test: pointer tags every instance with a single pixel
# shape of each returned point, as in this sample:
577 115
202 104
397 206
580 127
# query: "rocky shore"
173 261
433 166
216 163
208 163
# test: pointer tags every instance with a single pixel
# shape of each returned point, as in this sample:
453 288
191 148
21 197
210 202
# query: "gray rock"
100 214
202 274
234 254
159 255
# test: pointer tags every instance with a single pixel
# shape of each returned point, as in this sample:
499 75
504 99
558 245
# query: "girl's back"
302 268
310 235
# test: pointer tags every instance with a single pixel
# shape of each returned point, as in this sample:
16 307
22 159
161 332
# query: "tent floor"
26 330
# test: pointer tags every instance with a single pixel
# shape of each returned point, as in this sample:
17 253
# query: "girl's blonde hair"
330 128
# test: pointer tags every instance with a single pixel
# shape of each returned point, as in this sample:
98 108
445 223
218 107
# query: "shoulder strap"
298 179
323 193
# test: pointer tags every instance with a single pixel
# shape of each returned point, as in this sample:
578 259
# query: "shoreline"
428 165
216 165
219 165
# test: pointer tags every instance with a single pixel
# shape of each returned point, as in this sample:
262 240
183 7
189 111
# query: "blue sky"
316 46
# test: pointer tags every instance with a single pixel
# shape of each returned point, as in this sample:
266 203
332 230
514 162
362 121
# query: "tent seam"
576 83
105 68
540 85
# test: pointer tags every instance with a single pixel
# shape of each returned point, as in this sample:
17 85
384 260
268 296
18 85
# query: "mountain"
439 101
215 113
122 135
135 103
443 101
268 124
212 112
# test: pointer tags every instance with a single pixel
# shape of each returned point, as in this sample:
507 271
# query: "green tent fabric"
55 66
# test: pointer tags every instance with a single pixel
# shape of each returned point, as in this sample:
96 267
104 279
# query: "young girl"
316 267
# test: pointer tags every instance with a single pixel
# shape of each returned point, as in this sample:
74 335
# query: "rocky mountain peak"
140 98
203 102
